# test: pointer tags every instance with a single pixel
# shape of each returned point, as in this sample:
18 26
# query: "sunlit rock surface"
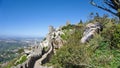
90 30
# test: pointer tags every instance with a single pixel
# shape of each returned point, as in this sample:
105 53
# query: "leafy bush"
103 56
21 60
72 54
68 27
111 34
116 36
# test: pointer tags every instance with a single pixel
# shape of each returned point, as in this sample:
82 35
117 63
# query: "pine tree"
111 6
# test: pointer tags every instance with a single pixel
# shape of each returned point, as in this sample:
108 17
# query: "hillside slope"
101 51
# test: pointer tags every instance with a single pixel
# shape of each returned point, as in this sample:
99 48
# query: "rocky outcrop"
37 55
90 30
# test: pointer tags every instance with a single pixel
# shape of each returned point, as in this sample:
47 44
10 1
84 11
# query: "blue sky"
32 17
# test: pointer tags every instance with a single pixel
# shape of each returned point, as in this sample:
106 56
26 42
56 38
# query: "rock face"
90 30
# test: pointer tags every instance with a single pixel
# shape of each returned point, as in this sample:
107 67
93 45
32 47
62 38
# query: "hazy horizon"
32 17
6 36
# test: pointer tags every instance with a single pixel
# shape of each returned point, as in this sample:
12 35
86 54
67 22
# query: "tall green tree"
111 6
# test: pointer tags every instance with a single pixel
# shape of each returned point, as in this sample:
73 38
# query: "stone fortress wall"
38 54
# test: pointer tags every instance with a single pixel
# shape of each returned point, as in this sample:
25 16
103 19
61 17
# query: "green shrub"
21 60
72 54
116 36
103 56
68 27
111 34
